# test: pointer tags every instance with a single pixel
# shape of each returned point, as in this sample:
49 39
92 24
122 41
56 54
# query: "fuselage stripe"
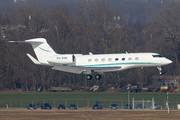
114 64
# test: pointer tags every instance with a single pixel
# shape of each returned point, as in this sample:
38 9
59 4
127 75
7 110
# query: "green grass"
47 95
19 99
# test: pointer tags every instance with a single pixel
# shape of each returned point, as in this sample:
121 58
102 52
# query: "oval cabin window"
136 58
89 60
109 59
130 58
103 59
96 59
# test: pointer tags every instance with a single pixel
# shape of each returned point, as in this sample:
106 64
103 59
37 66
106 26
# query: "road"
84 114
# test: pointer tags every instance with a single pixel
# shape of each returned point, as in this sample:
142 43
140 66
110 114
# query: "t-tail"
41 48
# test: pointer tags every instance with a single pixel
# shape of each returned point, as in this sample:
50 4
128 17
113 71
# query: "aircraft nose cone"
168 61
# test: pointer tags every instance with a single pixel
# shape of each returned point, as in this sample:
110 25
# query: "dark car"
98 102
45 106
114 106
97 106
140 106
128 106
72 107
61 106
31 106
156 106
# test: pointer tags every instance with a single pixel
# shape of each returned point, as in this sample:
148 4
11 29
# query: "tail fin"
41 48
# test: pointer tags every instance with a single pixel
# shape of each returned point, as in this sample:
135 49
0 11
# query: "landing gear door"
74 58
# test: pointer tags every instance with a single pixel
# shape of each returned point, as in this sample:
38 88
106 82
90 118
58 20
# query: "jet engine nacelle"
62 59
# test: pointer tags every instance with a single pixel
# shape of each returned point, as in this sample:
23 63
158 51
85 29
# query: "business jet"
86 64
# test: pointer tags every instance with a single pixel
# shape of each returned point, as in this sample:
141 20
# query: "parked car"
61 106
140 106
128 106
156 106
45 106
72 107
31 106
113 106
98 102
97 106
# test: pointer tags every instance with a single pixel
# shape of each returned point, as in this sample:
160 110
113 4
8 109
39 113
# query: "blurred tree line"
93 26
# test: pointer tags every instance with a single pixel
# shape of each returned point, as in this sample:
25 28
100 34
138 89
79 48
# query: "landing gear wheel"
89 77
98 77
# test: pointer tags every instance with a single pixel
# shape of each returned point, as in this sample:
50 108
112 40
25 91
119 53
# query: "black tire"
89 77
98 77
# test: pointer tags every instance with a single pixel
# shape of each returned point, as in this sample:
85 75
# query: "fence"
143 104
82 103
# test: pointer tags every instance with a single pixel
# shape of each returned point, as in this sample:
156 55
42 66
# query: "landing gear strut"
160 69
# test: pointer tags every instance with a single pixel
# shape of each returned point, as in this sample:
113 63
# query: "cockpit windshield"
157 56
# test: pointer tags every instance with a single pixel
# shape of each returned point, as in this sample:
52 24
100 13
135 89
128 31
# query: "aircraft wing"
76 70
85 70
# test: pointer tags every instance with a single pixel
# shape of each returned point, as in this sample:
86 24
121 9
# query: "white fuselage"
106 62
121 61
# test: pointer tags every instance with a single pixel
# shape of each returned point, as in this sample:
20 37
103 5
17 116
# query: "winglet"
33 59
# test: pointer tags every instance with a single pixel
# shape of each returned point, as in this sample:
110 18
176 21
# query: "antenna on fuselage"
90 53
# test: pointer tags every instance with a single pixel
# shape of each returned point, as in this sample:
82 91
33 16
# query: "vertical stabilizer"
41 48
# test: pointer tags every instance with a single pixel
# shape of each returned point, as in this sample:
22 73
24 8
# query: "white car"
156 106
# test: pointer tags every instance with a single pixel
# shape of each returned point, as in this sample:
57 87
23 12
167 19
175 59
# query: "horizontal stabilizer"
34 60
15 41
28 41
41 48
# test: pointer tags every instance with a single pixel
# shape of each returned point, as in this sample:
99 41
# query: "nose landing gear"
160 69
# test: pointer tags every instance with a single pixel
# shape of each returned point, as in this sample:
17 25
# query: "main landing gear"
89 77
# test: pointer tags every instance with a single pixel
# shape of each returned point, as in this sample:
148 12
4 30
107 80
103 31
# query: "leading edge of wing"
84 70
70 69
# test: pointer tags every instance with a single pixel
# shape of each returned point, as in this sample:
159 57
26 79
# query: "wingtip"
15 41
11 41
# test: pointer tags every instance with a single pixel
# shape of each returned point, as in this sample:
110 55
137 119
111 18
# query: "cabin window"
130 58
103 59
89 60
136 58
123 59
116 59
109 59
96 59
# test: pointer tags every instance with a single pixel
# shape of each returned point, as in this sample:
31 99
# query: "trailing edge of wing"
33 59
